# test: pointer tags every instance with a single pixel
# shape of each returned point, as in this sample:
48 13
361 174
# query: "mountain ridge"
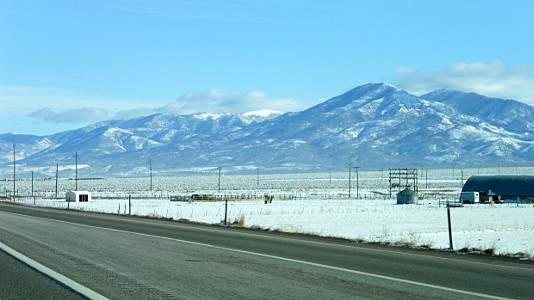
373 125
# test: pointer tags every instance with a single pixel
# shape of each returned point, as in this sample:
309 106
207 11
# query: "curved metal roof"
504 185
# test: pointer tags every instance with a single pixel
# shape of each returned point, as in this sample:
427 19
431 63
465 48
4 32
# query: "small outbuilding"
407 196
505 187
78 196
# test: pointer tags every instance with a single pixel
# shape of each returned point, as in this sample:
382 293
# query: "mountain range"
375 125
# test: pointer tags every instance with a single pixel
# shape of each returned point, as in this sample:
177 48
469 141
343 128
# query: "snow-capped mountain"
374 125
511 115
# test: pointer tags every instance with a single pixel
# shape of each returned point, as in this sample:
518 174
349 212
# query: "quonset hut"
508 187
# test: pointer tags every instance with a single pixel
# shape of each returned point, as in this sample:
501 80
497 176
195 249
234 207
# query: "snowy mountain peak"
370 98
381 85
511 115
370 91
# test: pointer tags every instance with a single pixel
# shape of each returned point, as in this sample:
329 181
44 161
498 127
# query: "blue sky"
65 64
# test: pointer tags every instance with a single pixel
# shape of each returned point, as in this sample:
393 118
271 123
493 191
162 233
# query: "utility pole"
357 184
150 162
76 179
258 177
32 190
462 185
220 168
57 175
350 179
14 172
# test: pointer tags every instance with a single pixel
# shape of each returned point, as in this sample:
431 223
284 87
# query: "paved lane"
143 258
18 281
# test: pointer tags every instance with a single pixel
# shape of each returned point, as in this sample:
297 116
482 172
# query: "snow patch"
263 113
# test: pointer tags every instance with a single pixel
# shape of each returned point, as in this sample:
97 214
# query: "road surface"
136 258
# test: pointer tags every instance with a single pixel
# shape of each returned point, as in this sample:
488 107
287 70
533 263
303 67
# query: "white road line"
292 260
85 291
315 265
399 253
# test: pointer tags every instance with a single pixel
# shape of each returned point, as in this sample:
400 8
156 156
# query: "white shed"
78 196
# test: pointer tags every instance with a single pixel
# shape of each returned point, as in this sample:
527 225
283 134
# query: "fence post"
226 212
449 223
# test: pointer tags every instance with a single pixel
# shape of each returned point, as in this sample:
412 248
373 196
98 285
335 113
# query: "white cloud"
78 115
219 100
493 79
73 106
134 113
27 98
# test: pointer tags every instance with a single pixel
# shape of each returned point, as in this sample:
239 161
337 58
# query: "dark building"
508 187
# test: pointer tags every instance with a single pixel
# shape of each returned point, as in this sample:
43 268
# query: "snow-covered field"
318 204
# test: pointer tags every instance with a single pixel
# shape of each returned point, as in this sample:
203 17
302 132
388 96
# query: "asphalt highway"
18 281
136 258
